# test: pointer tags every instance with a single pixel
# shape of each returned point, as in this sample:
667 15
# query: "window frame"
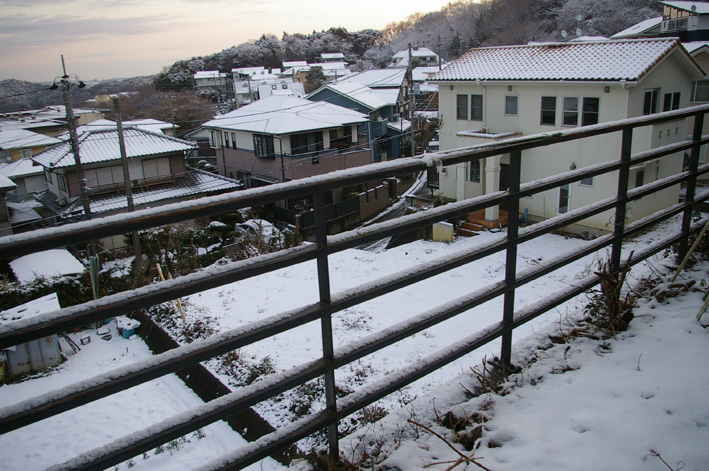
475 169
586 114
509 100
461 109
264 147
547 111
476 112
651 101
567 113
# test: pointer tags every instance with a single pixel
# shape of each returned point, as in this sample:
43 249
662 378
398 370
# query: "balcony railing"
37 409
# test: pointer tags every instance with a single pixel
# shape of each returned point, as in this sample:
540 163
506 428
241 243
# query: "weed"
608 308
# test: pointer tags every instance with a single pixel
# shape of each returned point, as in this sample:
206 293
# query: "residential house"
385 126
490 94
281 87
332 70
157 169
282 138
16 144
394 81
5 185
28 178
332 57
50 121
420 57
146 124
248 79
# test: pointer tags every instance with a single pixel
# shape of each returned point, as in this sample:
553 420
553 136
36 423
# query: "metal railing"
36 409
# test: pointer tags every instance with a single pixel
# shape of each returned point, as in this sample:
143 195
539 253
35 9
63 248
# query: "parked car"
256 230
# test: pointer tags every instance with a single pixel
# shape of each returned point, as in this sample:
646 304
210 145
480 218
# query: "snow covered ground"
522 436
637 401
62 437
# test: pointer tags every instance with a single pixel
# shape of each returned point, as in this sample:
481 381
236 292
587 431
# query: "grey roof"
102 146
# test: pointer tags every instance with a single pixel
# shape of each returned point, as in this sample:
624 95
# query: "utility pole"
83 189
126 177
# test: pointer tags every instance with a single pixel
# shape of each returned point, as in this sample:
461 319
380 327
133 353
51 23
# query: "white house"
490 94
422 56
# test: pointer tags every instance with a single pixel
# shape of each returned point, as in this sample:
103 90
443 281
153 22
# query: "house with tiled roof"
283 138
156 165
16 143
491 94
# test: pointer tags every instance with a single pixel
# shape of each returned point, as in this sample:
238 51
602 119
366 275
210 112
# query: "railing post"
326 322
691 186
511 261
622 196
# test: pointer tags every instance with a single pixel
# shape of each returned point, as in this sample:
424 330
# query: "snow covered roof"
628 59
291 64
249 70
401 124
50 263
415 52
23 212
30 309
102 146
20 168
421 74
380 78
693 46
24 139
194 183
642 28
6 183
332 55
148 124
360 94
701 8
286 115
208 74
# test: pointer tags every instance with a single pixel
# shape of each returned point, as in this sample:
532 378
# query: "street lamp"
66 80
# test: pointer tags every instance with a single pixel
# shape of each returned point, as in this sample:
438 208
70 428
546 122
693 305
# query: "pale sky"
103 39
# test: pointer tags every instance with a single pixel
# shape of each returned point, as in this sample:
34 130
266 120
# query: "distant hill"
20 95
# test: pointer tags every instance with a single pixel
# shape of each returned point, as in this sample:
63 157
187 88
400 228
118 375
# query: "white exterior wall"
617 103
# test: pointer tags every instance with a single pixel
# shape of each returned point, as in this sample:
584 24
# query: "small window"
700 91
263 146
233 141
48 176
474 171
25 153
640 178
657 171
651 101
590 111
274 87
511 105
61 181
586 181
564 199
461 107
476 107
571 111
671 101
548 110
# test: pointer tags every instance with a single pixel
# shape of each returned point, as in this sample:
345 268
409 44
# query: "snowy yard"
605 417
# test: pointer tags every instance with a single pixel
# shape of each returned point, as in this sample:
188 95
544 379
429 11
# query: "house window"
564 198
588 181
105 176
461 107
213 138
476 107
590 111
511 105
263 146
47 176
156 168
657 171
700 91
306 142
548 110
671 101
640 178
475 171
61 181
651 100
25 153
571 111
233 141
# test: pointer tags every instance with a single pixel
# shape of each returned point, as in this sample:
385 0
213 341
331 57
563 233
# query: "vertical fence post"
326 321
622 196
511 261
691 185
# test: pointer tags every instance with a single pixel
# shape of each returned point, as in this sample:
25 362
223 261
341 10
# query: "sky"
102 39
